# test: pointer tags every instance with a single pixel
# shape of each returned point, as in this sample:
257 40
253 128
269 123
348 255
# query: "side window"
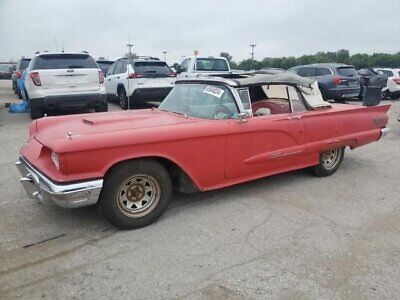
306 72
245 98
297 103
120 68
185 64
111 70
322 71
386 72
271 99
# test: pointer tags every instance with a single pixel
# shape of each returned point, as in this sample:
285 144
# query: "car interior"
274 99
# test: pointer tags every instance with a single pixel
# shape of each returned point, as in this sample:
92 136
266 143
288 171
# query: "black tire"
385 94
122 99
36 112
103 107
329 162
123 181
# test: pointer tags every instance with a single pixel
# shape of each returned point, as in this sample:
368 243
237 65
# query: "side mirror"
178 70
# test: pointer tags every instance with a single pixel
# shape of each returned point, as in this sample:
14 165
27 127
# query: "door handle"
118 77
294 118
109 79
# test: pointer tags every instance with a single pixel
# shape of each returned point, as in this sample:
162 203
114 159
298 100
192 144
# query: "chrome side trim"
384 131
39 187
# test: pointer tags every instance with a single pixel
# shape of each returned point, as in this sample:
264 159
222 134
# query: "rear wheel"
122 99
329 162
36 112
135 194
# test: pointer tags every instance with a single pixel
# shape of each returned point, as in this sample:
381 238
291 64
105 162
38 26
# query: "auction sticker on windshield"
214 90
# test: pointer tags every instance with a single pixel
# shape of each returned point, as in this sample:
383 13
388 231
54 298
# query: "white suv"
393 83
57 81
132 81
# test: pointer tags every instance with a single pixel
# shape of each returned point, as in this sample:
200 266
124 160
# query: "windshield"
157 69
5 68
201 101
211 64
347 71
104 66
24 63
64 61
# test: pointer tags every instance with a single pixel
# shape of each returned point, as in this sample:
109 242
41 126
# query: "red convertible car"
207 134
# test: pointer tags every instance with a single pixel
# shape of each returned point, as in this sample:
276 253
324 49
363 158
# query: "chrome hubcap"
138 195
330 158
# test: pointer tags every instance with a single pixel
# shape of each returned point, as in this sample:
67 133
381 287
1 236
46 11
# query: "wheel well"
120 87
180 179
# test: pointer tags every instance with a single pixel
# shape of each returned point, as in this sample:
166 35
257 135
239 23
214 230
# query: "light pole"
252 50
129 45
165 55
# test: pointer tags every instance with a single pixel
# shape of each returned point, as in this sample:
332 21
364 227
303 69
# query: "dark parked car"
336 81
21 66
104 65
369 77
5 71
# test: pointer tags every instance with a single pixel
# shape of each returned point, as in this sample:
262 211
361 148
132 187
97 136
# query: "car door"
184 68
265 145
110 82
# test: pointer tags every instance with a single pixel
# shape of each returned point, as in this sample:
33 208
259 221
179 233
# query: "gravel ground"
291 236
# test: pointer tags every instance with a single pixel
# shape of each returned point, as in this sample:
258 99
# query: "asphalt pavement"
291 236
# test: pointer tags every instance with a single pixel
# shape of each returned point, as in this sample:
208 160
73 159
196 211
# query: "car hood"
55 129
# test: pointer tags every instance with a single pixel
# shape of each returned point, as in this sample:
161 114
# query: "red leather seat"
274 106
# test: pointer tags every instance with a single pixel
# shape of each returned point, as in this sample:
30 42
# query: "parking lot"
290 236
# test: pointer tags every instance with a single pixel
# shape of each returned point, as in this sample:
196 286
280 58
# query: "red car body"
213 153
67 158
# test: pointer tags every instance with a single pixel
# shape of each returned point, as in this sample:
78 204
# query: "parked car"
336 81
104 65
203 65
393 82
143 79
21 66
5 71
60 81
207 134
369 77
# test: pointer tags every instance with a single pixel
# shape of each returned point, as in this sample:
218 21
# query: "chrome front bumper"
384 131
72 195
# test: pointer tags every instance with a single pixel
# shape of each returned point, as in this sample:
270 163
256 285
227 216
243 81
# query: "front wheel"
329 162
135 194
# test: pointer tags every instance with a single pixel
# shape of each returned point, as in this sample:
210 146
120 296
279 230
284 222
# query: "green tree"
342 56
226 55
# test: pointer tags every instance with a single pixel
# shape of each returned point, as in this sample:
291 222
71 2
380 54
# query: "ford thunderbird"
207 134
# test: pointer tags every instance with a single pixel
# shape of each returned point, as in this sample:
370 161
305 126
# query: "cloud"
279 28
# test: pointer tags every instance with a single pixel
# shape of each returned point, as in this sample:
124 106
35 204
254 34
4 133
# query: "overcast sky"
279 28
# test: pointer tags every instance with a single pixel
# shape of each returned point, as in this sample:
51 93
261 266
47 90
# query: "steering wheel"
222 110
